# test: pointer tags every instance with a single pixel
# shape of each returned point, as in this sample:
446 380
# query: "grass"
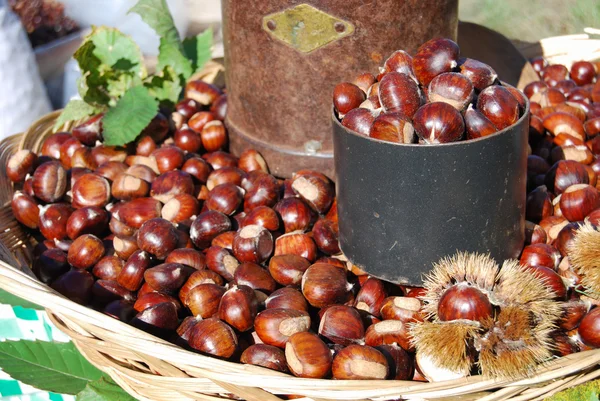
531 20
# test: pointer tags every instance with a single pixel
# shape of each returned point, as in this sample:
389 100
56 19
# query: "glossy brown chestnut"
25 209
199 277
370 297
90 131
393 127
286 298
462 301
538 204
296 243
221 261
53 220
477 125
142 172
433 58
132 275
50 181
565 173
342 324
213 337
401 364
159 320
188 257
399 93
579 200
137 211
171 183
480 74
51 145
158 237
452 88
255 277
107 291
220 159
589 328
541 255
207 226
324 284
389 332
202 92
359 362
359 120
87 220
347 96
91 190
203 299
187 140
239 307
534 234
552 280
288 269
20 164
315 189
551 74
120 309
167 277
180 208
86 251
127 187
250 160
51 264
108 268
499 106
583 72
564 123
264 355
295 214
214 136
275 326
438 122
253 243
76 285
308 356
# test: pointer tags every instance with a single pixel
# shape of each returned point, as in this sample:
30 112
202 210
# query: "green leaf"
199 48
128 118
117 51
49 366
10 299
103 390
165 87
587 391
171 53
75 110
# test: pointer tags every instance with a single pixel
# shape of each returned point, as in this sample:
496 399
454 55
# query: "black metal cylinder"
403 207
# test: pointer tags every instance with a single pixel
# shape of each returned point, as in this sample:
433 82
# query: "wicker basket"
152 369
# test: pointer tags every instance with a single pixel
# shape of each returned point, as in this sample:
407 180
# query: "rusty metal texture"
280 79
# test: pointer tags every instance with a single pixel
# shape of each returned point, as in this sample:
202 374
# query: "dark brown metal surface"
279 98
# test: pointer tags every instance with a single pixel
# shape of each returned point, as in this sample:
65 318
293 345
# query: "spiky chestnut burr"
508 341
585 258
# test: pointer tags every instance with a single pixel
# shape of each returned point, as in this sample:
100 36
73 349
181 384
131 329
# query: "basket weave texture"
150 368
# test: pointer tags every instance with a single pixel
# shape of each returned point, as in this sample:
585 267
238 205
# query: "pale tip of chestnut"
433 372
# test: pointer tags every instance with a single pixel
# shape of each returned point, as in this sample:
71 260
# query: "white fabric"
23 98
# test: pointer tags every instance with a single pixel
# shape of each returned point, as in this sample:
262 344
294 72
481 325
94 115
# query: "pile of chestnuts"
432 97
176 236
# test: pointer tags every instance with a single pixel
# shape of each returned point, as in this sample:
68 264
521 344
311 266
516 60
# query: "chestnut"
219 107
225 198
137 211
111 170
538 204
389 332
180 208
253 243
159 320
324 284
262 189
225 175
288 269
308 356
342 325
399 93
463 301
579 200
154 298
107 291
171 183
197 168
359 120
188 257
534 234
142 172
255 277
87 220
51 264
53 220
251 160
85 251
264 355
434 58
120 309
370 297
145 146
438 122
51 145
315 189
286 298
477 125
221 261
499 106
132 275
50 181
347 96
91 190
359 362
541 255
565 173
480 74
564 123
551 74
168 158
275 326
76 285
295 214
213 136
26 210
90 131
401 364
187 140
552 280
589 328
20 164
202 92
296 243
108 268
157 237
198 120
127 187
125 246
452 88
220 159
207 226
167 277
239 307
393 127
204 299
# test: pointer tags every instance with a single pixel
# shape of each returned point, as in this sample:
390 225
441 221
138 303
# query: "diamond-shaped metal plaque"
306 28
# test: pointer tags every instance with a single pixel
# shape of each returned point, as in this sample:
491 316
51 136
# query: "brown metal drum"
280 70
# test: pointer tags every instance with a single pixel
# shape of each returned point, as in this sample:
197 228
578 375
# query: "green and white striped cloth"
17 323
